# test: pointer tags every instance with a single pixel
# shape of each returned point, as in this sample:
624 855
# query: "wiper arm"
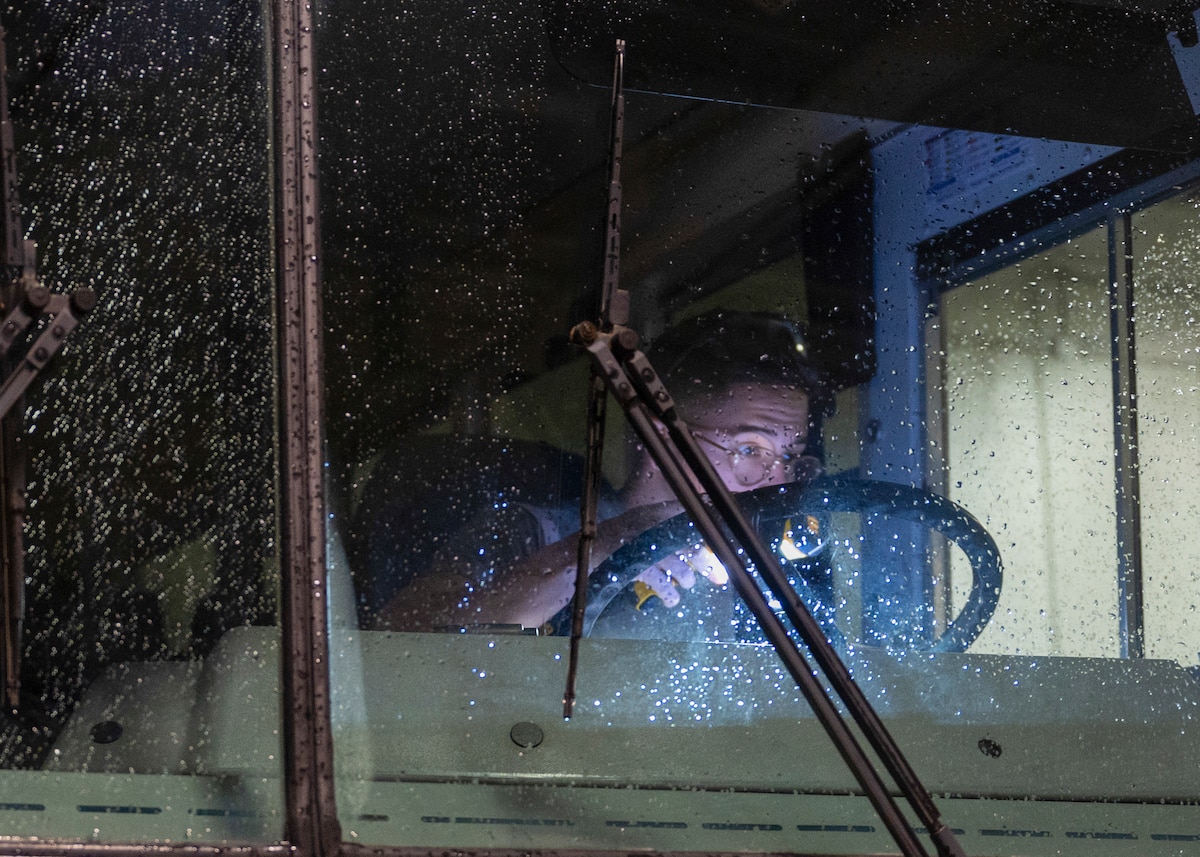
24 302
613 314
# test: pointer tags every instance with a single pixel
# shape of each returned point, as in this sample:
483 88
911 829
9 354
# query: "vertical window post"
312 826
1125 435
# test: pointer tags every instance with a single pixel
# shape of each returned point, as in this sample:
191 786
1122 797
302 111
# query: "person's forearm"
528 594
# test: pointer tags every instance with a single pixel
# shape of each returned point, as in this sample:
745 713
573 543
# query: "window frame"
311 825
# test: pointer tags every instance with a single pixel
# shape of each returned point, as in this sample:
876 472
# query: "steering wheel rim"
829 495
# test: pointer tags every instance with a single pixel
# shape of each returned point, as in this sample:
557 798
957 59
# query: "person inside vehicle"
745 385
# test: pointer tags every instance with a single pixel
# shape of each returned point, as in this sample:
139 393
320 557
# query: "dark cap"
727 347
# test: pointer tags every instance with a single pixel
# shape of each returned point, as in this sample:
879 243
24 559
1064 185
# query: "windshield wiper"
613 314
24 302
619 367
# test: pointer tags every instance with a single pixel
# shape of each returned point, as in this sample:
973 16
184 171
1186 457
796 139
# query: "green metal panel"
457 741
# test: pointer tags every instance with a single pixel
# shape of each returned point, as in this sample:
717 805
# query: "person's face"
754 434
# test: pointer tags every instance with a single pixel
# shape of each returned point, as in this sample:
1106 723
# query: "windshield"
911 290
907 348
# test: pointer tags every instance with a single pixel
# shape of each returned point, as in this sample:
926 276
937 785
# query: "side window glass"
140 594
1066 383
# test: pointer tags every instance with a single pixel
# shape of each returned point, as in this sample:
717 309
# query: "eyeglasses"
751 463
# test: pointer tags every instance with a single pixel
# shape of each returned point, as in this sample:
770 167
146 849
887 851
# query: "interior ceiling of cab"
1098 71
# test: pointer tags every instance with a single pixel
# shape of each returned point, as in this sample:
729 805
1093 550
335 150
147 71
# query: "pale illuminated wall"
1167 258
1029 444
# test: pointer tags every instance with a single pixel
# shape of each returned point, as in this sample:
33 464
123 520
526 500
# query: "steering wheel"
774 504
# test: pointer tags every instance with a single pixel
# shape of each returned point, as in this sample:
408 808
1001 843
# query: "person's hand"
665 578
